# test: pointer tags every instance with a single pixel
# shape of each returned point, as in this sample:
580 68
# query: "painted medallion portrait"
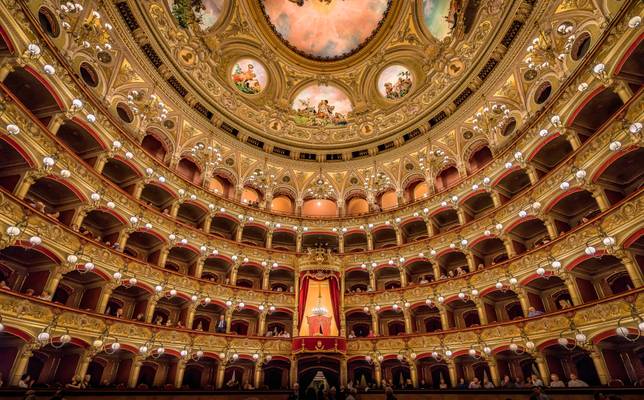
394 82
249 76
317 105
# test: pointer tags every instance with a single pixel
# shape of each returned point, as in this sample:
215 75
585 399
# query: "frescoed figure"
395 82
321 106
249 76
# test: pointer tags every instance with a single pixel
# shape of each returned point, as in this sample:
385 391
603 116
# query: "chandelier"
188 353
46 337
147 106
491 119
152 348
100 344
210 156
321 189
263 178
580 339
228 355
625 332
547 51
319 310
92 33
377 181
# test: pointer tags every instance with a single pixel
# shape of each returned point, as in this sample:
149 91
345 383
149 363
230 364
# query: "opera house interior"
321 199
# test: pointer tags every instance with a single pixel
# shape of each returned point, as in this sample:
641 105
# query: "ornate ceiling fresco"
325 29
325 75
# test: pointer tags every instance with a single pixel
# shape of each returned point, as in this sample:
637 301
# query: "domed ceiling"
326 75
325 29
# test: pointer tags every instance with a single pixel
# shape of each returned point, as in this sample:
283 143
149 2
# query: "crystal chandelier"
263 178
91 33
491 119
546 51
319 310
147 107
377 181
321 189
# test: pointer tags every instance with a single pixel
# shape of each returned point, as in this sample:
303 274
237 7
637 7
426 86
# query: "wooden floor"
567 394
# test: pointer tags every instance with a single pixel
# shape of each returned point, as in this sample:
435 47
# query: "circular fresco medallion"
440 16
325 29
317 105
394 82
249 76
206 16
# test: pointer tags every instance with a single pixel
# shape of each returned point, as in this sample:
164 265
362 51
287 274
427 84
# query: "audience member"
532 312
576 382
555 382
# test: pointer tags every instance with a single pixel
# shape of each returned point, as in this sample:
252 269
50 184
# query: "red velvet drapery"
335 299
301 303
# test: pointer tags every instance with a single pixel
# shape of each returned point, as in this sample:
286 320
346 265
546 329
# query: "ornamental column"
181 369
23 186
101 160
403 276
265 278
341 243
509 247
372 279
600 197
460 213
149 309
369 241
377 369
269 239
207 223
190 315
549 222
523 300
233 273
124 235
293 377
399 238
375 323
542 366
634 271
496 198
494 372
572 137
199 266
573 291
239 232
219 380
444 319
532 174
257 379
138 189
622 89
430 227
55 276
413 373
600 365
104 298
480 307
343 371
163 255
21 364
471 263
261 326
229 319
407 317
134 372
85 359
79 216
451 367
298 242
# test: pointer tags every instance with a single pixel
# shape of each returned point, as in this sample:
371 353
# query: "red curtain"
335 299
304 290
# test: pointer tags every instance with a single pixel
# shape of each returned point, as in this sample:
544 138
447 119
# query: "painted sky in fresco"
209 17
325 30
315 94
434 13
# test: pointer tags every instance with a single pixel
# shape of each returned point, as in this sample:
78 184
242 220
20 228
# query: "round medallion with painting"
325 29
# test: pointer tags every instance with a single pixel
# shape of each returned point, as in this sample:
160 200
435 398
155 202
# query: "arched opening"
183 257
319 208
187 169
355 241
276 375
251 196
359 324
623 176
632 67
446 178
56 199
154 147
445 219
565 363
80 141
254 235
143 245
489 251
413 230
426 319
528 234
384 237
357 206
479 159
121 174
595 113
357 281
421 271
221 185
547 294
284 240
224 226
217 269
513 183
397 373
452 264
33 94
282 204
574 209
158 197
13 165
103 226
502 305
601 275
192 214
387 200
551 154
478 205
320 240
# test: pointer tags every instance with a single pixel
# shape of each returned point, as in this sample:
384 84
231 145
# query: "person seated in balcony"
25 381
576 382
564 303
116 246
451 274
119 312
423 280
480 266
443 276
507 383
475 384
371 334
221 324
442 384
165 211
140 317
537 394
248 386
29 292
532 312
269 333
535 380
487 384
4 286
461 384
158 320
75 383
168 322
199 327
352 334
45 295
460 271
422 384
85 382
232 383
180 325
555 382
